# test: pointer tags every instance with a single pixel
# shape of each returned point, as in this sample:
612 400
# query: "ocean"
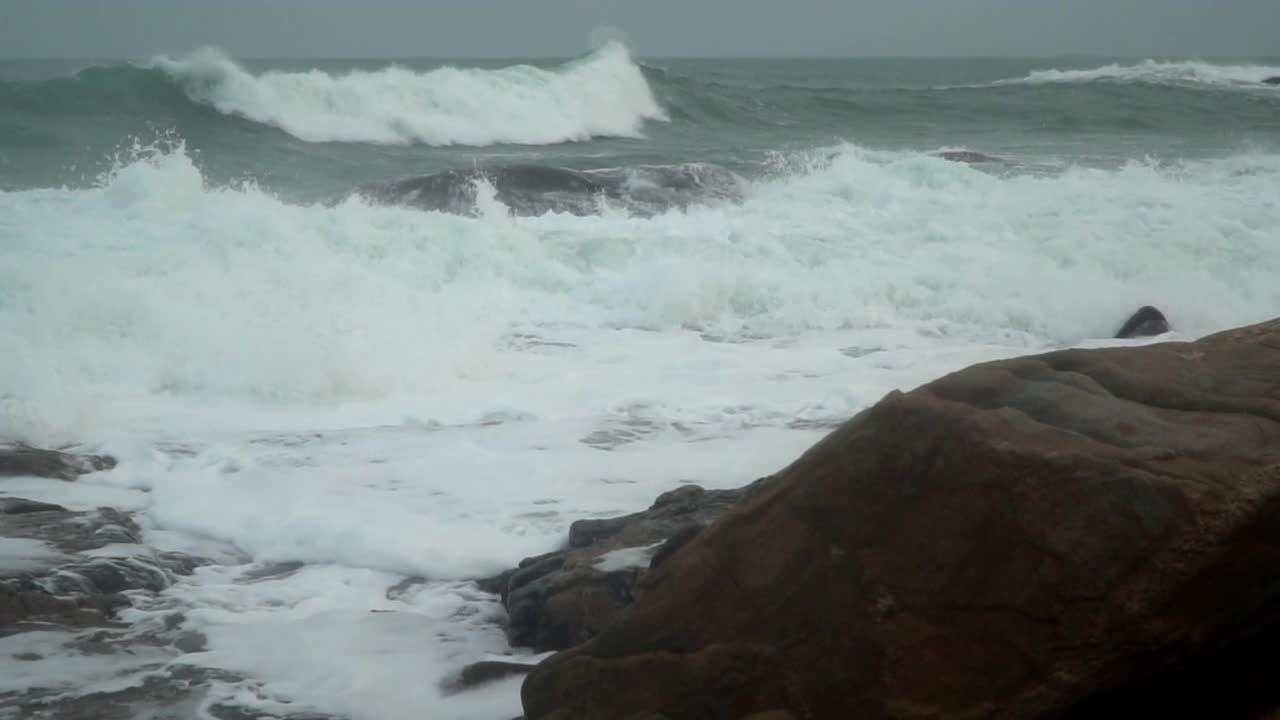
353 391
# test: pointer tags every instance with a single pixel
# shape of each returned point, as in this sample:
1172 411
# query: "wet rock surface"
65 577
1146 322
16 460
483 672
563 598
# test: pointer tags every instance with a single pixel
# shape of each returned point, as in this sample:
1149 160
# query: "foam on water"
384 393
57 670
157 289
1154 71
330 615
602 95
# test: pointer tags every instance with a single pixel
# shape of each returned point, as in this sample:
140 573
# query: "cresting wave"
1185 72
603 94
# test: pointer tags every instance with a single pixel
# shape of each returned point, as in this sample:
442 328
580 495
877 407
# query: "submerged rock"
560 599
1083 533
967 156
1147 322
24 460
18 608
21 506
538 189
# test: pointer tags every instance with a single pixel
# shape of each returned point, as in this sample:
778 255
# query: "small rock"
1272 80
22 506
17 460
18 607
1146 322
485 671
966 156
400 589
192 641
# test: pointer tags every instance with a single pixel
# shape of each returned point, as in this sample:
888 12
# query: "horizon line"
1052 56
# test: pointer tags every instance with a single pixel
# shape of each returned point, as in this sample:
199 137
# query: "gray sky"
536 28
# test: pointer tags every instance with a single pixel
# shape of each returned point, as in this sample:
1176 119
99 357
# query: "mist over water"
292 370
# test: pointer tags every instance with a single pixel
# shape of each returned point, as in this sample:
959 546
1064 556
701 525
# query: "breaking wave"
604 94
1153 71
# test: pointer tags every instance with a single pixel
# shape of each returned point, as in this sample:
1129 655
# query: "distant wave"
604 94
1152 71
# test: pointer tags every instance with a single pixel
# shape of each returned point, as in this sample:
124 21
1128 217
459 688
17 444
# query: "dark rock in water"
560 599
173 691
539 189
67 531
19 506
485 671
1272 80
269 571
18 608
1147 322
402 588
967 156
191 641
23 460
1082 533
69 588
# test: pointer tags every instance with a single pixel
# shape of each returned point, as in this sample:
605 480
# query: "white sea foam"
1154 71
382 393
603 94
57 670
155 287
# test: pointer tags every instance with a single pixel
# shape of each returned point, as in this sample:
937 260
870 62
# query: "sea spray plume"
603 94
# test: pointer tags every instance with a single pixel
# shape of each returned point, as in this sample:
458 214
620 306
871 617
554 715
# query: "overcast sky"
538 28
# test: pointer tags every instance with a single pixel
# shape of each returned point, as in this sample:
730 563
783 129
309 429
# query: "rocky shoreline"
1082 533
564 598
64 592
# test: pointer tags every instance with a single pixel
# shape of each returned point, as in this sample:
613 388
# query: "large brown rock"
1086 533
